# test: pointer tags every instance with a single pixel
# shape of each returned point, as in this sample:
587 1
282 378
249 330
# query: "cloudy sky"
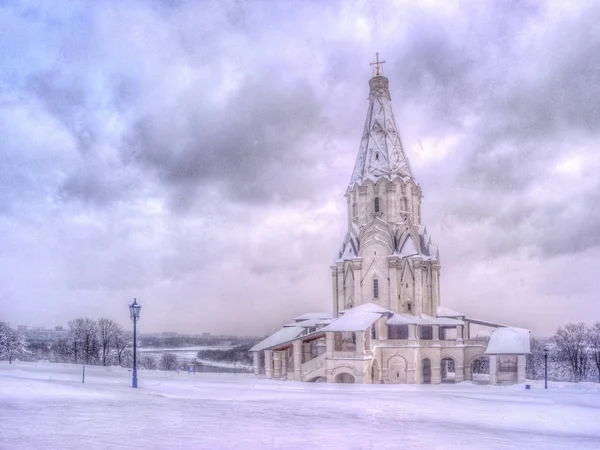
195 155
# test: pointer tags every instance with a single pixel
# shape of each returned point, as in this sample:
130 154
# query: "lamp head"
134 310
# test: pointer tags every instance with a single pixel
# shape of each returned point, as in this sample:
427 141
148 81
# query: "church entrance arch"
397 370
344 377
448 371
480 368
426 370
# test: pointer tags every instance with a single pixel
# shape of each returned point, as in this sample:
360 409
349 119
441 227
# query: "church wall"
375 265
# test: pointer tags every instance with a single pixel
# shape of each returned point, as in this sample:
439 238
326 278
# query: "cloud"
196 157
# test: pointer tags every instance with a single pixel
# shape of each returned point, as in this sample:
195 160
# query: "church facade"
387 324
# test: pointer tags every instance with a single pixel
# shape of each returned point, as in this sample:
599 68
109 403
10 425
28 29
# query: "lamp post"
134 313
545 368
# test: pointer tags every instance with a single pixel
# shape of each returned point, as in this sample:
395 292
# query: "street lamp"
545 368
134 312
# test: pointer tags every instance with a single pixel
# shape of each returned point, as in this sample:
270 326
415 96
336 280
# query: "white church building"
387 324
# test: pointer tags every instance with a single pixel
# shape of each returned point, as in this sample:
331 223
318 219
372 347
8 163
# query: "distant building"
387 324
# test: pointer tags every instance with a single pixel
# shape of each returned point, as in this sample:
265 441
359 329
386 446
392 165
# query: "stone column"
256 362
468 372
436 370
329 344
459 368
459 335
467 332
521 369
276 364
297 360
269 363
284 363
435 342
412 332
493 373
360 343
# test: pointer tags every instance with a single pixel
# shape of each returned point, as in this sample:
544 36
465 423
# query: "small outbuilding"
507 350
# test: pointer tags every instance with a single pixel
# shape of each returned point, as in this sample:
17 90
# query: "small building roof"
447 312
309 323
314 315
509 341
279 337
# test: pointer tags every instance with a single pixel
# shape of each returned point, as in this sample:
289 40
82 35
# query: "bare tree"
572 342
594 345
12 343
122 343
148 362
168 361
107 330
83 340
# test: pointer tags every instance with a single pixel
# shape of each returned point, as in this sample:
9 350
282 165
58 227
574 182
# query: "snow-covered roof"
447 312
279 337
406 319
509 341
359 321
368 307
310 323
314 315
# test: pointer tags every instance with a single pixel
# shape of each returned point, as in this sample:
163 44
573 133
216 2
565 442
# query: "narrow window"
373 335
375 288
376 204
409 307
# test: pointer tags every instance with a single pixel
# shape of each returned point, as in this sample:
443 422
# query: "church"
387 324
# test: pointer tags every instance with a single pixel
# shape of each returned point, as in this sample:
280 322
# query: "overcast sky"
195 155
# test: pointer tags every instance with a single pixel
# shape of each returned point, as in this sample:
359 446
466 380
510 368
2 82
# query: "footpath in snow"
45 406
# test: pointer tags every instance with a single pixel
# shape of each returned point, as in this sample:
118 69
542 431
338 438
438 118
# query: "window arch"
376 204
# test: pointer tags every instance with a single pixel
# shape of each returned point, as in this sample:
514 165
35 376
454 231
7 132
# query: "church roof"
380 153
279 337
314 315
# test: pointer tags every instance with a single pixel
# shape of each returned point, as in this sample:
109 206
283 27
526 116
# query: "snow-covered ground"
45 406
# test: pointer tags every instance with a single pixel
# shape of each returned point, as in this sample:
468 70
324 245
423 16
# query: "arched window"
376 204
375 288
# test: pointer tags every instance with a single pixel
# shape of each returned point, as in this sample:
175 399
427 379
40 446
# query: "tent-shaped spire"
381 153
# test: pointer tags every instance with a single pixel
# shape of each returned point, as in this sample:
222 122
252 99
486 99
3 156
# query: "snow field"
45 405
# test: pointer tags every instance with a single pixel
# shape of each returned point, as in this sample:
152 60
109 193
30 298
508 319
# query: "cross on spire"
377 63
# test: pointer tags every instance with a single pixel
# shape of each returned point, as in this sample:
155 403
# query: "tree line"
573 354
88 341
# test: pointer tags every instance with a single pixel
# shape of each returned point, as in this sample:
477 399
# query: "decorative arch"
448 369
426 370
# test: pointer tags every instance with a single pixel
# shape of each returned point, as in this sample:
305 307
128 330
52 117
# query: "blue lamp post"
134 312
546 368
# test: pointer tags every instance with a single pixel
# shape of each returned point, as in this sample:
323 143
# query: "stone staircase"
314 368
